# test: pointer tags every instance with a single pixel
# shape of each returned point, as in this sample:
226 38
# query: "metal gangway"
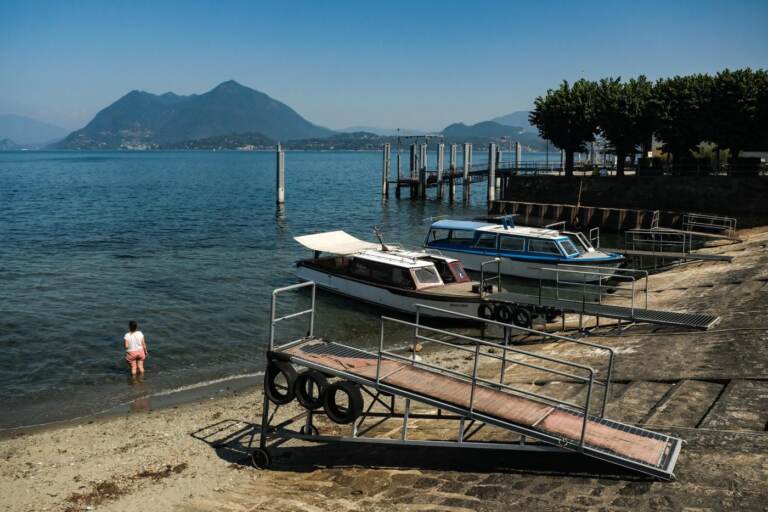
383 386
586 290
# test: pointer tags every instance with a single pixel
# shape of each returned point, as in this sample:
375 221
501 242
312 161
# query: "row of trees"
729 110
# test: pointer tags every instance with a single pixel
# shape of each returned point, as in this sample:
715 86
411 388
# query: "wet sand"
710 388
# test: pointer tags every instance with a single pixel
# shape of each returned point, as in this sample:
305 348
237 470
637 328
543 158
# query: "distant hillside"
488 131
519 118
143 120
8 145
348 141
384 132
242 141
27 131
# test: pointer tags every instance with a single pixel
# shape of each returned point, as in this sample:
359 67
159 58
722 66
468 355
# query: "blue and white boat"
523 251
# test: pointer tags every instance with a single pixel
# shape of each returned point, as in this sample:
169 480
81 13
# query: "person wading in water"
135 348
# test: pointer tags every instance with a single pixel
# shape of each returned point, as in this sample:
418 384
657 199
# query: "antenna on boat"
381 239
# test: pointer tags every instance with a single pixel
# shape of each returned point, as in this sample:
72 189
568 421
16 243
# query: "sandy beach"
709 388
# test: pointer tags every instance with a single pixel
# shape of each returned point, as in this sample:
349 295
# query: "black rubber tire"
355 399
503 313
303 395
485 311
522 317
276 395
260 458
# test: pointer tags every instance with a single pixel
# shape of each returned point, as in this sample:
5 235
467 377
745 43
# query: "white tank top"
134 340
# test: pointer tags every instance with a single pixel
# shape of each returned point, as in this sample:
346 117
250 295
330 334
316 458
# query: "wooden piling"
466 185
491 173
385 170
518 156
452 178
413 165
423 171
280 189
440 163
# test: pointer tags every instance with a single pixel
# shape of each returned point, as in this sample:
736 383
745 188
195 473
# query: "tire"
485 311
522 317
337 413
274 393
312 431
261 459
305 383
503 313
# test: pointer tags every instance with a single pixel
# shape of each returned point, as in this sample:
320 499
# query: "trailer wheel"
503 313
311 431
280 393
339 412
522 317
260 458
485 311
307 384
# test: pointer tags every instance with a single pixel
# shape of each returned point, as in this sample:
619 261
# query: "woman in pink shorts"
135 348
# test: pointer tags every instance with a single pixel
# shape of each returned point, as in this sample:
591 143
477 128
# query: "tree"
622 112
682 110
565 116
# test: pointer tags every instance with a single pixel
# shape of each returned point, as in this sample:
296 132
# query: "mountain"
8 145
519 118
488 131
27 131
144 120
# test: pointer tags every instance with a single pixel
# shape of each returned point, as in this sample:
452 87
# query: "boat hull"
383 297
532 269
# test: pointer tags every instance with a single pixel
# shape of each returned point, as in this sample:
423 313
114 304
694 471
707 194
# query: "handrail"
600 286
497 276
273 310
611 351
590 379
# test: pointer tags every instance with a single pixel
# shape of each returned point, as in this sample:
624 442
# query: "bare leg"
133 368
141 365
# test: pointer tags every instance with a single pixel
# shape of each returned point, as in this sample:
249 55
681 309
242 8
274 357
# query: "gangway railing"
710 223
596 282
275 320
493 277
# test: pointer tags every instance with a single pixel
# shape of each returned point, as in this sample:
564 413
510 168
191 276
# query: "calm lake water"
190 244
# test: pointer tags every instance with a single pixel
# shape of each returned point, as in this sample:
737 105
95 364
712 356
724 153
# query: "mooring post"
385 171
499 154
451 179
440 163
467 186
491 173
280 192
518 156
423 171
413 161
562 161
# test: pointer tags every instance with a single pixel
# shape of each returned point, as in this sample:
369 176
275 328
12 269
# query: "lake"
189 244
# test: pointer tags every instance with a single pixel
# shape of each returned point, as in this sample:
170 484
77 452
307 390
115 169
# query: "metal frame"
465 417
496 277
707 223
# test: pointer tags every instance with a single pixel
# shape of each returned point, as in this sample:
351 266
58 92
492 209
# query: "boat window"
402 278
442 268
439 235
381 273
486 241
360 268
427 276
512 243
569 248
461 236
459 274
542 246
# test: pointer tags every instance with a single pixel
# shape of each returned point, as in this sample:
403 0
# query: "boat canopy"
335 242
460 224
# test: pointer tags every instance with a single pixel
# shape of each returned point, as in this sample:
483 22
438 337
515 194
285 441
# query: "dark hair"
132 325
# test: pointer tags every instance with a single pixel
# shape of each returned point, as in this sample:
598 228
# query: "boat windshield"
426 276
569 248
459 274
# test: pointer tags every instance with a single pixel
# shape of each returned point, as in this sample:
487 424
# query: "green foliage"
566 117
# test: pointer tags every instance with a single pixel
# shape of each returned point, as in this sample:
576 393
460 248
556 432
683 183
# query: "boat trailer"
375 396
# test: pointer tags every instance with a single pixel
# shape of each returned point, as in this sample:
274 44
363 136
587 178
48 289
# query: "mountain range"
232 116
144 120
25 131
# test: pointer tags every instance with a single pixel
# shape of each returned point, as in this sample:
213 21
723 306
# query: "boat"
389 276
524 251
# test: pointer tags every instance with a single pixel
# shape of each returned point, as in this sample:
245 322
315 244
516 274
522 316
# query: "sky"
418 65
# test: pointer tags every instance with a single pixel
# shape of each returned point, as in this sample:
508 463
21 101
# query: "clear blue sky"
389 64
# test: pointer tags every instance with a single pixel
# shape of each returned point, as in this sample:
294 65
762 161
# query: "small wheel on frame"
260 458
311 431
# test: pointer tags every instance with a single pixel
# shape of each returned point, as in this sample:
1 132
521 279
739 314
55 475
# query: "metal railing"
594 237
594 282
710 223
273 321
496 277
476 381
659 240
